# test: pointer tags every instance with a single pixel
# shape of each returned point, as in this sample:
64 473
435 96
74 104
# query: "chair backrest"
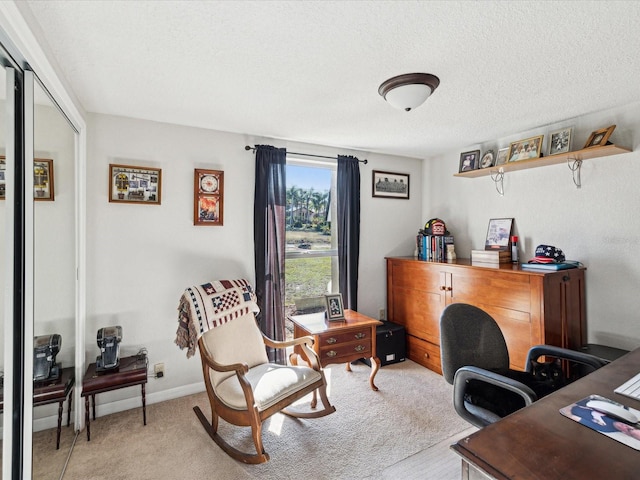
469 336
237 341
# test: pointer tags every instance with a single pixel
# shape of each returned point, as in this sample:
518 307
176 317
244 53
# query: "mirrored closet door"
54 289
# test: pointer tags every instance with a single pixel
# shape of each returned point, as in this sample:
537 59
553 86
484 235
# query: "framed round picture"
488 159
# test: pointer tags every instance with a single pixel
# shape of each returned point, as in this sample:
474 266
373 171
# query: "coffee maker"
108 339
45 349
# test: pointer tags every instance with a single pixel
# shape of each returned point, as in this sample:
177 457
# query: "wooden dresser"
531 307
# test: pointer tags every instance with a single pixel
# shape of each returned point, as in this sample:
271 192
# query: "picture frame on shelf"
469 161
560 141
599 137
42 179
335 307
390 185
208 197
499 234
488 159
133 184
526 149
502 157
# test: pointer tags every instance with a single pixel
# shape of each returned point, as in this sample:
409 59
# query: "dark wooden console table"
55 391
538 443
132 371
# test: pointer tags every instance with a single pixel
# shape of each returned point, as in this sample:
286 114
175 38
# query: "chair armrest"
286 343
538 351
476 373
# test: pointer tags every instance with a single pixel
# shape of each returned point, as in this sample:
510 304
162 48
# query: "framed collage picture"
208 197
42 179
129 184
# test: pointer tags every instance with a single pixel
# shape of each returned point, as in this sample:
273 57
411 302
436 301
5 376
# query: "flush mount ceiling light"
408 91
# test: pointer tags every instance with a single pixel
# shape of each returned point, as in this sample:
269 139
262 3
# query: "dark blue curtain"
348 229
269 238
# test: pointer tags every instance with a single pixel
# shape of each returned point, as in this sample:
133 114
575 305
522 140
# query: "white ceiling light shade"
408 91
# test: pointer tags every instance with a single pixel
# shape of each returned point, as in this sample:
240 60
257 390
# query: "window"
311 255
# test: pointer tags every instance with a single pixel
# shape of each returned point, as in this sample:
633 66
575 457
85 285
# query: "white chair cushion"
237 341
270 382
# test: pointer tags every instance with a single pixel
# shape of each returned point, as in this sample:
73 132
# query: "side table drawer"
334 339
335 354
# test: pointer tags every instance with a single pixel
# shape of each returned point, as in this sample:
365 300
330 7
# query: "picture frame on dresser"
335 307
499 234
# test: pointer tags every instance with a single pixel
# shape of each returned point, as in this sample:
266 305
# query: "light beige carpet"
369 432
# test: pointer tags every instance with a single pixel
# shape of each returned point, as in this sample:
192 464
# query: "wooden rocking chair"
245 389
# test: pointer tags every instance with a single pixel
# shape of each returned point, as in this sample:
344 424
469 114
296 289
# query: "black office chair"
475 361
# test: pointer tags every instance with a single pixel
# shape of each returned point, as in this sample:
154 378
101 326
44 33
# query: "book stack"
433 247
492 257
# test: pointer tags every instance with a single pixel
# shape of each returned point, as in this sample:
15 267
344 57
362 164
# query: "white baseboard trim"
45 423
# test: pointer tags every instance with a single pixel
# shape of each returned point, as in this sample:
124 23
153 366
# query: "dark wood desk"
537 442
340 341
56 391
132 371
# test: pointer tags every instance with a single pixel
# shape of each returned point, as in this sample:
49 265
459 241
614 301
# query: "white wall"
140 258
598 224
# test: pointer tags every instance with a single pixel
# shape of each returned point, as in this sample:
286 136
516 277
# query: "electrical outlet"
382 314
158 369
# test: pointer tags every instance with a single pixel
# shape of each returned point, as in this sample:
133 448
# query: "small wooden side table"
55 391
132 371
338 341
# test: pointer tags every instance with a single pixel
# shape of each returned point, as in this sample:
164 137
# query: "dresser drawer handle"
443 288
332 353
360 348
331 340
426 355
360 335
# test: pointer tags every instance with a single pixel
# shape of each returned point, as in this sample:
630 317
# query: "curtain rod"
365 161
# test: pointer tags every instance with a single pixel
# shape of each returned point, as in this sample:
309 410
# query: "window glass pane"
308 208
311 267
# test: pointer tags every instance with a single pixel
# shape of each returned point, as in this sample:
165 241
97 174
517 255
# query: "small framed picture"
488 159
502 157
208 197
335 308
600 137
129 184
390 185
525 149
42 179
560 141
498 234
469 161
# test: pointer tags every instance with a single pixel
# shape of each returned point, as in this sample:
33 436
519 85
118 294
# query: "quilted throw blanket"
203 307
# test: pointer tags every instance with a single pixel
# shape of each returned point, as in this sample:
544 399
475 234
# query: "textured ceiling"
309 71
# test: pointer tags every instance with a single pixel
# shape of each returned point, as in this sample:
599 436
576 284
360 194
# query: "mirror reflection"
3 241
54 288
